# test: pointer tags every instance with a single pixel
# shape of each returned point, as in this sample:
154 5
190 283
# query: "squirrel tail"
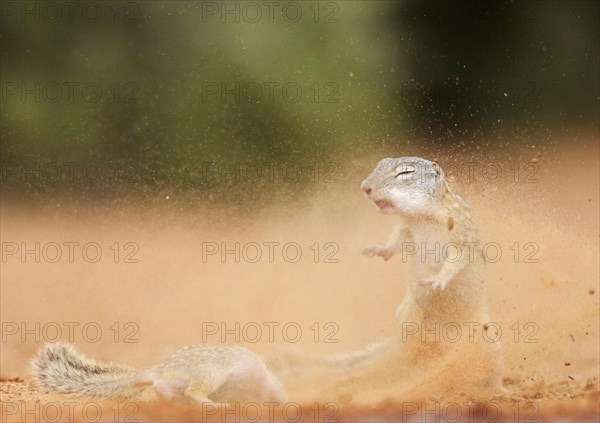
59 367
290 364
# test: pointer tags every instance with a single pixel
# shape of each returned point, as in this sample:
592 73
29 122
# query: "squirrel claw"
434 283
373 250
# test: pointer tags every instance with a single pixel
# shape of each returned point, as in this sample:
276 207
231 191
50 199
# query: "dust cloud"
299 283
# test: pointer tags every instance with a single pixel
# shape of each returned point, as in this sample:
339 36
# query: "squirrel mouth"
384 205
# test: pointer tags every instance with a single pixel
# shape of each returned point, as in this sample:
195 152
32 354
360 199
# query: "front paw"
373 250
434 283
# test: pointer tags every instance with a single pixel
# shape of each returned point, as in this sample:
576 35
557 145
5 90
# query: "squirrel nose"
367 189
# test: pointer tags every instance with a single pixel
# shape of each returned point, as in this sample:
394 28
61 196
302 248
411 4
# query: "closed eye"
405 172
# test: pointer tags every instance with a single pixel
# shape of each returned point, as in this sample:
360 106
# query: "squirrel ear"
438 170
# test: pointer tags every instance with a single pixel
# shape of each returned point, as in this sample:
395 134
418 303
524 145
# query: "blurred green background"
153 89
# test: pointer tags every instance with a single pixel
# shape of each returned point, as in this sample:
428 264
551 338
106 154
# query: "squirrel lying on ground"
220 374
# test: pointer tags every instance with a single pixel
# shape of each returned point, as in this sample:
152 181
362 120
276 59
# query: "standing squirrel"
219 374
437 237
439 243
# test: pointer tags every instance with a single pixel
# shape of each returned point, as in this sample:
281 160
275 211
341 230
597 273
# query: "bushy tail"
59 367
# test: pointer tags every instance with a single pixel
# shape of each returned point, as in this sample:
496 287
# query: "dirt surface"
543 294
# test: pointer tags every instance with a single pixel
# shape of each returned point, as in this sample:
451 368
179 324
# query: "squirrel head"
410 186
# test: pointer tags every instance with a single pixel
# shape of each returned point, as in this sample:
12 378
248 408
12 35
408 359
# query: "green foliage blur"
165 85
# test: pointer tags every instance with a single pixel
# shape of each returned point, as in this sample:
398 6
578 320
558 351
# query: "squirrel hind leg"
168 387
176 389
198 395
249 382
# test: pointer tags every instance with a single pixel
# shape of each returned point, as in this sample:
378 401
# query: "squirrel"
440 245
205 374
435 222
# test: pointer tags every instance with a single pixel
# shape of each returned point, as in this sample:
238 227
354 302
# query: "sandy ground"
544 300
